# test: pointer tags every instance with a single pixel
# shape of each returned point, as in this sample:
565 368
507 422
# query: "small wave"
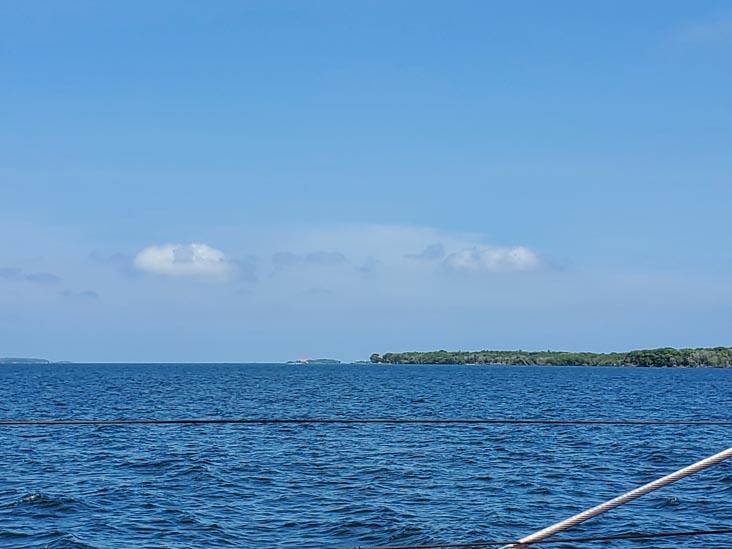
54 539
69 541
39 499
668 502
152 463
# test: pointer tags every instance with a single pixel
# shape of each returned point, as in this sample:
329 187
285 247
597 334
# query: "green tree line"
667 357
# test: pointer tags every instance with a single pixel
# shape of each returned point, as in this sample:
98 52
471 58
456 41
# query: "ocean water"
328 486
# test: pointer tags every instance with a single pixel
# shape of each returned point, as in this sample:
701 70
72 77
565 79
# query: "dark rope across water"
357 421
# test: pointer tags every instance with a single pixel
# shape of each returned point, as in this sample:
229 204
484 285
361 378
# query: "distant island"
667 357
21 360
314 361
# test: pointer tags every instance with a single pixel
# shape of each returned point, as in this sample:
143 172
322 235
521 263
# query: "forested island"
667 357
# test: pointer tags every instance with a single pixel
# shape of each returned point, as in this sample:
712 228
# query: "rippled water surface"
327 486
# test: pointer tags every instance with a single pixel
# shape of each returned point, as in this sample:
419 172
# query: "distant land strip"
666 357
23 360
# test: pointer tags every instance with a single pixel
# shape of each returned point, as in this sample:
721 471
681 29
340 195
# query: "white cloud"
185 260
493 260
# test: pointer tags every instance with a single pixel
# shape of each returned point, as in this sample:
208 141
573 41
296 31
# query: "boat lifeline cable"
357 421
609 505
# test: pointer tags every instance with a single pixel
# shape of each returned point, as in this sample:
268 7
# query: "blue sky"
269 180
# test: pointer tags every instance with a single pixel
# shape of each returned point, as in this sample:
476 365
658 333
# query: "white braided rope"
621 500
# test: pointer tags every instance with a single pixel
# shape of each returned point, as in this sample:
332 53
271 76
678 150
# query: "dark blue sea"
329 486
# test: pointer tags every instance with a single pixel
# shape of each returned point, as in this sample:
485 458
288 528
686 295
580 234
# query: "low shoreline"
665 357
